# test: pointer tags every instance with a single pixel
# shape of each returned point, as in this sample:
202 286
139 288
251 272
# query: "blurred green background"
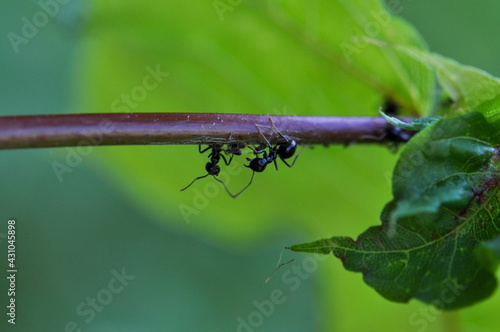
120 209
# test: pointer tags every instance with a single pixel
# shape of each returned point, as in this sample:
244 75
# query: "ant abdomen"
287 150
257 164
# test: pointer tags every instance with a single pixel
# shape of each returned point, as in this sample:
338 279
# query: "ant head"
212 169
287 150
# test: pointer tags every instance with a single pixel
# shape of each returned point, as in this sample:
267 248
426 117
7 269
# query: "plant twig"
37 131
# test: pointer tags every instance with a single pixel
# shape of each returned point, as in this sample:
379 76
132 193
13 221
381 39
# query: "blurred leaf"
446 204
467 86
279 58
490 109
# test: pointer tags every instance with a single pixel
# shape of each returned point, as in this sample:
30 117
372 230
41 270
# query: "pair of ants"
286 150
258 164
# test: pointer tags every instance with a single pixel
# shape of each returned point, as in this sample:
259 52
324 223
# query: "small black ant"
234 148
393 134
396 135
282 150
211 167
390 107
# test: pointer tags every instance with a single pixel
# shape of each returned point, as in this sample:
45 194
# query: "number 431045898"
11 241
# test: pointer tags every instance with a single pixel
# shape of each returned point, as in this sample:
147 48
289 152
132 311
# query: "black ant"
282 150
393 134
234 148
396 135
211 167
390 107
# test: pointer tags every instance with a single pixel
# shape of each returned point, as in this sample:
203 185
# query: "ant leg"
258 150
225 160
242 190
189 185
225 187
283 160
275 163
199 148
279 132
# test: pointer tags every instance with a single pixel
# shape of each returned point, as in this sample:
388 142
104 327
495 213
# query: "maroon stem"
36 131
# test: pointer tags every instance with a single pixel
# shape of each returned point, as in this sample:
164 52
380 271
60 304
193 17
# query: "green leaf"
467 86
417 124
446 205
441 165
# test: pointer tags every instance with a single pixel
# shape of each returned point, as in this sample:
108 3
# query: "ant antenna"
279 132
274 127
264 137
200 177
242 190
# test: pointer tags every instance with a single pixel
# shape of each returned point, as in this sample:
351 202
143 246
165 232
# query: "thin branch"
36 131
